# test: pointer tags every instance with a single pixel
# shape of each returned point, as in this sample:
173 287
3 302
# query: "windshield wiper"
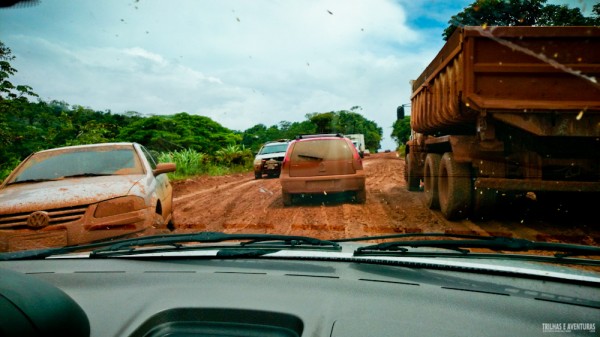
467 242
39 180
26 181
176 242
78 175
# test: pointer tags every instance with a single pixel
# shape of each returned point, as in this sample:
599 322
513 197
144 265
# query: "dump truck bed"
510 73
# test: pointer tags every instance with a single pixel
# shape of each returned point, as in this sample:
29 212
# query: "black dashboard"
277 297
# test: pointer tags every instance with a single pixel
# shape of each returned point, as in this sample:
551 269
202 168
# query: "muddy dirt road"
240 204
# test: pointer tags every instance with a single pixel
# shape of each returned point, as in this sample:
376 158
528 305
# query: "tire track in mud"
241 204
402 210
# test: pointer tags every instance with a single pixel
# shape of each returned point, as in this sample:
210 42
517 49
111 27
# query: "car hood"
67 192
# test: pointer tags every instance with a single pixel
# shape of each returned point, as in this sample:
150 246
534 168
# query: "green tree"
401 130
518 13
7 89
179 131
292 130
562 15
348 122
324 122
92 133
254 137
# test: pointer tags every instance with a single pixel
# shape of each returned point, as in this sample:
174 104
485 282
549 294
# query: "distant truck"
358 139
506 110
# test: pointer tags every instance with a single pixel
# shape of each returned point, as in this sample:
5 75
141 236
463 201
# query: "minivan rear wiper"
466 242
310 157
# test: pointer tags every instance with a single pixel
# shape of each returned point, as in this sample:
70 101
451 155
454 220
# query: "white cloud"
238 62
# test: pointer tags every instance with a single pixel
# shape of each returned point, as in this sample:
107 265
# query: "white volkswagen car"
80 194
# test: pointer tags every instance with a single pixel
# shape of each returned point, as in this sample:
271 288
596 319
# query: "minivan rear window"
321 149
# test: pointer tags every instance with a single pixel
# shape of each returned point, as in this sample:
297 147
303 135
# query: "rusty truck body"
506 110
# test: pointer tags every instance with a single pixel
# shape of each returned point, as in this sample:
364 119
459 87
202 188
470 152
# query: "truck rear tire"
454 186
430 180
411 169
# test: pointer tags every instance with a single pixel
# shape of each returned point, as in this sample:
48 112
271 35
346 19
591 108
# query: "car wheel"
454 187
257 175
171 223
287 199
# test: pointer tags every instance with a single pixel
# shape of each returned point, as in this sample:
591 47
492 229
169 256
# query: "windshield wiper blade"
473 241
29 181
177 241
39 180
266 242
86 175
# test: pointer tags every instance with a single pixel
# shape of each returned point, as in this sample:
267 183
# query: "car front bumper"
83 230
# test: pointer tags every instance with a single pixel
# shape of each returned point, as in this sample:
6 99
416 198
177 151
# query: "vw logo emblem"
38 219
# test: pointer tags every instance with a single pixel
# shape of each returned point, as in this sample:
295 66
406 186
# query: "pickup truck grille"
56 216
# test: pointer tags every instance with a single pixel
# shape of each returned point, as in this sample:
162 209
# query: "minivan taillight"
286 160
356 159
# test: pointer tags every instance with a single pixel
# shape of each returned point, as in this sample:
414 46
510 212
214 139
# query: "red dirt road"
240 204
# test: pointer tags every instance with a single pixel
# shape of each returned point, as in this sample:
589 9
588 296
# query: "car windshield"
267 149
78 162
467 117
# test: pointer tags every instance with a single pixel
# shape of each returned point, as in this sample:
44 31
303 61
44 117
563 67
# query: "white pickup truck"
358 139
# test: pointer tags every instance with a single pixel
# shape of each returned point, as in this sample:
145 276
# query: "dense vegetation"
520 13
197 143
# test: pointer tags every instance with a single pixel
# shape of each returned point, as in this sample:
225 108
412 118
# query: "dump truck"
506 111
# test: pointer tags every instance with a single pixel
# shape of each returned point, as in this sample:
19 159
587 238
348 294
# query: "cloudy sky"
238 62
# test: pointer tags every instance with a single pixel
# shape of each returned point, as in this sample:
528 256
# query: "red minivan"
322 164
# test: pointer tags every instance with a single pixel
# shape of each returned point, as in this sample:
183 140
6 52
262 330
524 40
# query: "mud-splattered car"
269 158
80 194
322 164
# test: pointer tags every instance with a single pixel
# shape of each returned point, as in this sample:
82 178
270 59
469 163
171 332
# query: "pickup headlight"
119 206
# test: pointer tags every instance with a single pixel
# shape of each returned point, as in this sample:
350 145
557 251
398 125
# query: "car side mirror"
164 168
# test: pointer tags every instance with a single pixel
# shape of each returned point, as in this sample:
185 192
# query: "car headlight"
119 206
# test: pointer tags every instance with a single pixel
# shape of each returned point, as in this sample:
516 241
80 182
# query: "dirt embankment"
240 204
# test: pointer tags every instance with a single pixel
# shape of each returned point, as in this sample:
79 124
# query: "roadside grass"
192 163
401 150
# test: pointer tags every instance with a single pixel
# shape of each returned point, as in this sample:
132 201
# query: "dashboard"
279 297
